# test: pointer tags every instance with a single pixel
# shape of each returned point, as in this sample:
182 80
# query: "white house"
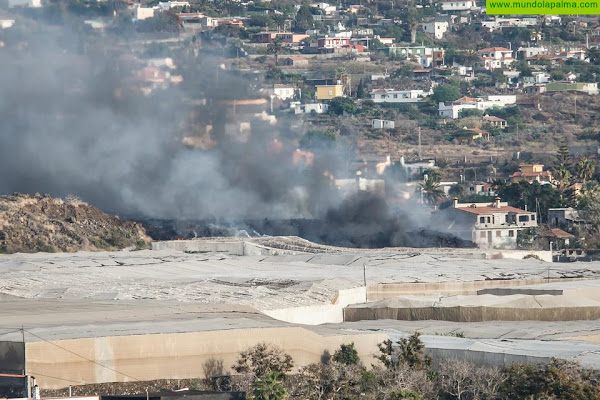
24 3
489 225
496 57
167 5
435 28
326 7
382 124
318 108
282 92
526 52
452 110
499 23
458 5
142 13
417 167
398 96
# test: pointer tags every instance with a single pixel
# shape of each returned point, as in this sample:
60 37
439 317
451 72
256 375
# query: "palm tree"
431 191
433 174
275 47
562 179
585 169
269 388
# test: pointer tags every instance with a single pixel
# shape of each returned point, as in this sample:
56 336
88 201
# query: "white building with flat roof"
398 96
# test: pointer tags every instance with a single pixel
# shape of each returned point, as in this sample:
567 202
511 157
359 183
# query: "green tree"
457 190
304 19
412 352
346 355
275 48
593 55
445 93
269 388
563 156
431 191
562 178
360 90
263 359
342 105
585 169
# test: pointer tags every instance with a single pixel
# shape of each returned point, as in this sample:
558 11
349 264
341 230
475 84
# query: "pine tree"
360 90
563 156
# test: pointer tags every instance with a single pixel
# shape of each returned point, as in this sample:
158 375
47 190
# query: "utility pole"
420 154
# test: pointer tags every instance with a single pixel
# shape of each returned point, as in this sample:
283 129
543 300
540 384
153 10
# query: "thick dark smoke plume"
70 126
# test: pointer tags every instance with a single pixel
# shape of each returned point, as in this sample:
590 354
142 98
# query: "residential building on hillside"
398 96
452 110
499 23
328 92
458 5
489 225
496 122
282 92
333 42
435 28
326 7
525 52
426 56
496 57
317 108
417 167
284 37
295 61
564 217
382 124
532 173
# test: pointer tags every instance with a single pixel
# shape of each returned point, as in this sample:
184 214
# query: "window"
533 217
489 220
482 235
481 220
523 218
395 96
511 233
498 233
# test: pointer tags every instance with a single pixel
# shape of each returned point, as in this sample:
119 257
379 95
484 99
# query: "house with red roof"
531 173
489 225
496 57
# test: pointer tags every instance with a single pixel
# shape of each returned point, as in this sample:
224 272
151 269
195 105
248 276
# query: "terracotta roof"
556 233
487 49
465 100
492 210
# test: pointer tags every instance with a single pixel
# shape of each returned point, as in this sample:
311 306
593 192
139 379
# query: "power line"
55 377
79 355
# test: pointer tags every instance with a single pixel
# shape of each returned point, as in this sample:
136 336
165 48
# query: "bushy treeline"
404 372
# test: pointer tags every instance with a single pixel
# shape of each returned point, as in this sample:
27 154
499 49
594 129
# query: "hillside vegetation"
42 223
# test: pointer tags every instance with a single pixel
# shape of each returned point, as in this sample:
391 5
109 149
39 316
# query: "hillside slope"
41 223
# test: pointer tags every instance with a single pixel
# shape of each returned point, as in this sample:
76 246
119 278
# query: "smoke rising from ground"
70 126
